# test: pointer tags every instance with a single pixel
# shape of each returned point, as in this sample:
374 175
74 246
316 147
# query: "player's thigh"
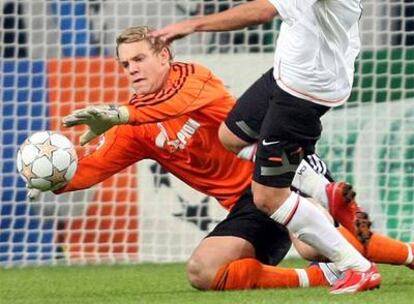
290 130
229 140
245 119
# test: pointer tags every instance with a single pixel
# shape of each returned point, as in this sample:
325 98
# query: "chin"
142 91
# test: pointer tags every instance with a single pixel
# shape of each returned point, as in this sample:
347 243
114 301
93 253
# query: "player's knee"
261 201
269 199
229 140
198 275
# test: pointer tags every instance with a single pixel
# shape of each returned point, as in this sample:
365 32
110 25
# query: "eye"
125 64
138 58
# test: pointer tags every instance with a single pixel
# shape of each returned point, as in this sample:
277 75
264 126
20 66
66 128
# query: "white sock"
330 272
248 152
303 278
311 226
311 183
410 257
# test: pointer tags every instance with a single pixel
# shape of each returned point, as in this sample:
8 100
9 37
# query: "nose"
133 67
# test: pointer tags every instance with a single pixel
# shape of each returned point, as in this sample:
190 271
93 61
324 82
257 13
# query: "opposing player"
174 118
312 71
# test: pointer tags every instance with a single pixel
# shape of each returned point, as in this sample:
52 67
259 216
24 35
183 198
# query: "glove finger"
87 137
81 113
84 115
70 121
78 111
33 194
94 111
80 116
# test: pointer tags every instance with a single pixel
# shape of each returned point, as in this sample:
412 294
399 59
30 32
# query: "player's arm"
118 151
243 15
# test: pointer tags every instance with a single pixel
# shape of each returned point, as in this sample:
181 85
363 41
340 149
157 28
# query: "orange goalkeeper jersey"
177 127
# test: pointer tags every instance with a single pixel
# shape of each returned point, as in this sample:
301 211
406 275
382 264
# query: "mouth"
138 80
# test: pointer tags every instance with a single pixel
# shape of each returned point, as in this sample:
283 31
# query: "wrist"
123 114
196 25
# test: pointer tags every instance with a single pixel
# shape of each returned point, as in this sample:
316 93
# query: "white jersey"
316 48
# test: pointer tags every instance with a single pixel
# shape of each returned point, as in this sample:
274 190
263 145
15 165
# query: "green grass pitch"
166 283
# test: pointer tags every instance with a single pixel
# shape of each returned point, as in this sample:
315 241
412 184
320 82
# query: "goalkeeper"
173 118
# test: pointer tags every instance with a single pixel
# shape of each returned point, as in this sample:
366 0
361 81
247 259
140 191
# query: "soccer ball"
47 161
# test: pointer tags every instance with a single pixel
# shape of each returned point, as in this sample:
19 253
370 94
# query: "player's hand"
175 31
33 194
99 119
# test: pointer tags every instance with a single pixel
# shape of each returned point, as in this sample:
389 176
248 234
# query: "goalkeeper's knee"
199 275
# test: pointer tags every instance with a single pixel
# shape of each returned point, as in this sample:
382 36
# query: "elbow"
267 15
265 11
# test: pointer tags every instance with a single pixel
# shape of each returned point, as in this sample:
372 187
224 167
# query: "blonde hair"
141 33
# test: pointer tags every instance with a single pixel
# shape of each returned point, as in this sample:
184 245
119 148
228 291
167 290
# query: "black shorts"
291 116
285 127
270 239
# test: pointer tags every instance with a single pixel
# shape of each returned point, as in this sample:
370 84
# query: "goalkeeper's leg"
357 229
222 263
240 251
382 249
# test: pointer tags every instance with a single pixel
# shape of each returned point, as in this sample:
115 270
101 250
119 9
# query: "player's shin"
249 273
311 226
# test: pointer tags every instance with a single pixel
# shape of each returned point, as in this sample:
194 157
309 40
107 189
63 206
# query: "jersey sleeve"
117 152
290 10
193 88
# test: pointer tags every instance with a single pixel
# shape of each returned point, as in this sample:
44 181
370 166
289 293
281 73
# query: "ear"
165 56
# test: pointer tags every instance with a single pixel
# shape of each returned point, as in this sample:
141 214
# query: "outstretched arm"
119 150
244 15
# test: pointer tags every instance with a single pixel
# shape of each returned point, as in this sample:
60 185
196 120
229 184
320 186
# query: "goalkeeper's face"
147 70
